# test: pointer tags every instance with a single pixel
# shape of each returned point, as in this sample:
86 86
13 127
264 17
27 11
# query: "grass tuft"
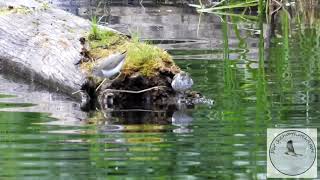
146 59
94 34
223 5
100 38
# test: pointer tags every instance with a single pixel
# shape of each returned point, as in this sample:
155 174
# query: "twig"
279 4
199 22
106 79
101 84
141 4
133 92
77 92
200 4
135 110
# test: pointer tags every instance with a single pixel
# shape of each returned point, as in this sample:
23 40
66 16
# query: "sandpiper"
181 82
109 66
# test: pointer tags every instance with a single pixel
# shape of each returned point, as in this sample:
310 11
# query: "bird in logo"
290 148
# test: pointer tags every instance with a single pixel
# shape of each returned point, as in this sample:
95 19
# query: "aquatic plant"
104 39
222 5
307 13
7 96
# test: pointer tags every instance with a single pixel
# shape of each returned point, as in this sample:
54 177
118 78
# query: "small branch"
101 84
135 110
279 6
199 22
76 92
133 92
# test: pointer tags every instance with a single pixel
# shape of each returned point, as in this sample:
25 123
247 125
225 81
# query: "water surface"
256 84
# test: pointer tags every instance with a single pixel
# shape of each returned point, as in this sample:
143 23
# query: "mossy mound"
147 68
146 59
143 58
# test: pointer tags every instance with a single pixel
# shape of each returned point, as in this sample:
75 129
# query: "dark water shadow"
143 120
18 95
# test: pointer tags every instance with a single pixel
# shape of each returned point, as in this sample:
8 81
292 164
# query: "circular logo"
292 152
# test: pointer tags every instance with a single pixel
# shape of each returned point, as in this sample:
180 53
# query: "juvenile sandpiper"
181 82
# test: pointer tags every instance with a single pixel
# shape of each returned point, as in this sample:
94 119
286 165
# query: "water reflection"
182 120
144 120
24 97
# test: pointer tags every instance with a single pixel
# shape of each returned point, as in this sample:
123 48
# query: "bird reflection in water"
148 120
182 120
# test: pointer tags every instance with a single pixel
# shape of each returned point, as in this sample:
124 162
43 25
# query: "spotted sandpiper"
181 82
109 66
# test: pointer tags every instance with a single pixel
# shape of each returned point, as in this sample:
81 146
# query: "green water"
254 88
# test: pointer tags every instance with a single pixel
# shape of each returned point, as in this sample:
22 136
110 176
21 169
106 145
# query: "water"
43 135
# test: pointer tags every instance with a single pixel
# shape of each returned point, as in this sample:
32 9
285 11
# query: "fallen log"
41 44
48 46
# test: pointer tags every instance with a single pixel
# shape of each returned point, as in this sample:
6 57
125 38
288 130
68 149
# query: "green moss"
142 57
105 43
105 39
146 59
100 38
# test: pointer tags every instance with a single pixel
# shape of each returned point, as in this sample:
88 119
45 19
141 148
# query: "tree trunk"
41 44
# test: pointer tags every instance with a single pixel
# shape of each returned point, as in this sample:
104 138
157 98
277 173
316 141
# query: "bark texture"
41 43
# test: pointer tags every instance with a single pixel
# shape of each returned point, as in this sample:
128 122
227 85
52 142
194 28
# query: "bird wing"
111 61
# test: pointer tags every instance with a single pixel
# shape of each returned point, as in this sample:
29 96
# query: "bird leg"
180 98
116 77
101 84
105 80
